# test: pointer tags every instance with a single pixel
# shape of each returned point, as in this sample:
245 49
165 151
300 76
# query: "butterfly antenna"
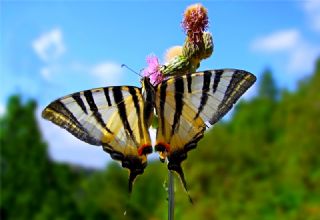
124 65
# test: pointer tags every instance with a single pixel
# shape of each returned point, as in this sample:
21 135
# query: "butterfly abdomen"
148 93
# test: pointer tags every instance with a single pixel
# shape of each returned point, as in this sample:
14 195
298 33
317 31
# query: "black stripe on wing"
149 104
178 96
133 93
205 89
189 82
216 81
94 109
76 96
59 114
118 97
106 94
240 82
163 95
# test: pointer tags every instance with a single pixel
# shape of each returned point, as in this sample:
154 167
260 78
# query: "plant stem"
171 196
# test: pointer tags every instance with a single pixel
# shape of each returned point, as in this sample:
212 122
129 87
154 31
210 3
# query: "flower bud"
177 66
208 45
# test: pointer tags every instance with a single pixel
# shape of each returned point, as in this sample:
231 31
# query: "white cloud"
48 72
49 46
45 73
312 8
303 57
311 4
299 53
64 147
278 41
107 71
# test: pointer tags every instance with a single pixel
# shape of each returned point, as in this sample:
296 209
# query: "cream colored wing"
187 104
112 117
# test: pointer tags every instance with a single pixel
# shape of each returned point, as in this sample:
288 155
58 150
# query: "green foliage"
23 160
32 187
267 89
263 164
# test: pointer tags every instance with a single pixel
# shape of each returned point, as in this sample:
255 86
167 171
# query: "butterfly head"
145 82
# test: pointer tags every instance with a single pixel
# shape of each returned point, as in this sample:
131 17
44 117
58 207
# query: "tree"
267 87
32 187
23 161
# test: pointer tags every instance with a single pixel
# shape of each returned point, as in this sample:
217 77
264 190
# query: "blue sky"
51 49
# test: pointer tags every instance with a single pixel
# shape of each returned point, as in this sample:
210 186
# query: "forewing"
187 104
111 117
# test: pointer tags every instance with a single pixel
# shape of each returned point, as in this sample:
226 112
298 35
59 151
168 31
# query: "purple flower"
153 70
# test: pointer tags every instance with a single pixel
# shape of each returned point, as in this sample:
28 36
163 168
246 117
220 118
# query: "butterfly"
118 118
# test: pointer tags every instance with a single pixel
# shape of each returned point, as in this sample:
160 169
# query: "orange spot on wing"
142 149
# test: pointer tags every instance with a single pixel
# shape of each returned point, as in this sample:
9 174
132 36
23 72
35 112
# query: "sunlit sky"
51 49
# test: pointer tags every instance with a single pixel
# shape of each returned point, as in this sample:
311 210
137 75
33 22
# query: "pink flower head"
195 22
153 70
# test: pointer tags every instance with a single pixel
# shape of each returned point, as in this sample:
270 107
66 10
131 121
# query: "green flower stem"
171 195
177 66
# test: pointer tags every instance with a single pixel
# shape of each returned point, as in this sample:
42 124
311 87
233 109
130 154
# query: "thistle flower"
195 22
153 70
180 60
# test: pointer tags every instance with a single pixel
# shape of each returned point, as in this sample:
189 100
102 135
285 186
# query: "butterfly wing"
187 104
111 117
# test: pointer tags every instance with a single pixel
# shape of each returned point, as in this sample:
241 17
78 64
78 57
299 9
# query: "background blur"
262 162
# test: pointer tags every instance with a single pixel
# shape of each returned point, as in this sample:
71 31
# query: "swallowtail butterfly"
118 118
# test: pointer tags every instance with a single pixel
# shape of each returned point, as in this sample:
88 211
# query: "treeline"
262 164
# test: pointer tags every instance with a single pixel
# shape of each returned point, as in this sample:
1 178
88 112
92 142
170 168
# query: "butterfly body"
118 118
